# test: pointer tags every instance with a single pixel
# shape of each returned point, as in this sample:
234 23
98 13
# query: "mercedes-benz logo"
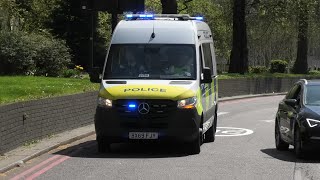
144 108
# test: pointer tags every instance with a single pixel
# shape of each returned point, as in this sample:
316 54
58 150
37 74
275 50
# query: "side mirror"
206 78
95 75
291 102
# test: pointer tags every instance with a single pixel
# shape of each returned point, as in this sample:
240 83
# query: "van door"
207 89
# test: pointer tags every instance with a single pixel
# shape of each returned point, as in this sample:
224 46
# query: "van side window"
214 59
200 58
207 55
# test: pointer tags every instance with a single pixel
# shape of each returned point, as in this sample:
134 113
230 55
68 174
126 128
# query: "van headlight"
313 122
102 102
189 103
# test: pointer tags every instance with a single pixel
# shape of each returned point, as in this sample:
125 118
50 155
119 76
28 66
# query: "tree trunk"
239 53
169 7
301 63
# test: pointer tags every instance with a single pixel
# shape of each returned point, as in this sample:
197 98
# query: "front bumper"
310 135
175 124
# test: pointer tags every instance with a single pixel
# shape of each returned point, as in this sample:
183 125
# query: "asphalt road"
244 149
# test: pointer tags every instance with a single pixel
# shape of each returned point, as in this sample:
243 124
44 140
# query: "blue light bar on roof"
140 16
199 18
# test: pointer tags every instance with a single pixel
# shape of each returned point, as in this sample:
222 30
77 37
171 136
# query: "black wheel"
280 144
298 143
103 146
211 132
194 147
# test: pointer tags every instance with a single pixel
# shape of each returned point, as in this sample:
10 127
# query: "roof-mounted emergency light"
199 18
162 16
139 16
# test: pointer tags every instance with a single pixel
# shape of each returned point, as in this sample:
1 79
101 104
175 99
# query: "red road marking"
52 165
42 171
21 176
61 158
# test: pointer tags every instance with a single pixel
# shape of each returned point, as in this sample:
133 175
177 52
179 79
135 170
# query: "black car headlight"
313 122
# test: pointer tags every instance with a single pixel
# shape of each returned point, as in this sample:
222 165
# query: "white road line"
232 131
299 175
222 113
268 121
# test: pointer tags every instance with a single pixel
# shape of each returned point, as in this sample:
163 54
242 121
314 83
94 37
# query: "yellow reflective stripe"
213 93
199 103
207 98
217 89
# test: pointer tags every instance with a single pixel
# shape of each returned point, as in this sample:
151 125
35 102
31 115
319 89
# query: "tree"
301 63
169 7
239 53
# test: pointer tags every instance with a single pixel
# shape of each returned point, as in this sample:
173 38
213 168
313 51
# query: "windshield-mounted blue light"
199 18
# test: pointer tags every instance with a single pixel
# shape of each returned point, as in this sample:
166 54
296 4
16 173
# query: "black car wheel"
280 144
211 132
194 147
298 144
103 146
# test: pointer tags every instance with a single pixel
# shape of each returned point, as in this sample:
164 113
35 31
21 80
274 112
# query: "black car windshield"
312 95
151 61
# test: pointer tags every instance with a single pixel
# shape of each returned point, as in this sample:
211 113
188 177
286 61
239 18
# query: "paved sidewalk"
24 153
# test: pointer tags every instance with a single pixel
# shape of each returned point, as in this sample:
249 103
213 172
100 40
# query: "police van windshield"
151 61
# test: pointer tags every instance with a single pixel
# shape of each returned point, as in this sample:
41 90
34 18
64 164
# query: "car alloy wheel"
280 144
298 144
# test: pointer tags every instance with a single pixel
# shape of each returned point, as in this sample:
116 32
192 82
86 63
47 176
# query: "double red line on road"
41 168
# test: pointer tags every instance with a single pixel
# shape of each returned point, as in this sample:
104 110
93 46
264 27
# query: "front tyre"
194 147
211 132
103 146
298 143
280 144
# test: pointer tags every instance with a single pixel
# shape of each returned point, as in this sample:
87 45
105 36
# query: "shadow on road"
125 150
311 156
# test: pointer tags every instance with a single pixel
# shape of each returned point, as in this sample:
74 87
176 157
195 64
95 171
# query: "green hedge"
22 53
258 69
278 66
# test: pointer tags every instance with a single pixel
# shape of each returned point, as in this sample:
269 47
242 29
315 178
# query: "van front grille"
156 117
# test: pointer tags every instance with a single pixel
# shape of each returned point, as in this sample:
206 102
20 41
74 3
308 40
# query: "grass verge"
23 88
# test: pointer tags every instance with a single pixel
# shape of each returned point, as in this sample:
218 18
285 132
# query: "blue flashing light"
129 16
132 106
140 16
199 18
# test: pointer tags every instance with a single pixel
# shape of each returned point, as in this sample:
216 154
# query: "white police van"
159 83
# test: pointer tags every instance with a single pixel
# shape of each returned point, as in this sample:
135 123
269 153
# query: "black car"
298 118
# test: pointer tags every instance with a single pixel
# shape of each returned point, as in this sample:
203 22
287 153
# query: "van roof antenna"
153 35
